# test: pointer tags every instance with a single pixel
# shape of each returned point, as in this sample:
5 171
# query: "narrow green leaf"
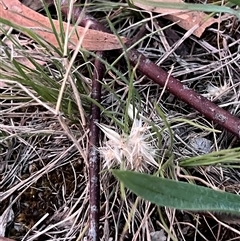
213 158
179 195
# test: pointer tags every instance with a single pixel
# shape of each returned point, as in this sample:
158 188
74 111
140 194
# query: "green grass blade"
213 158
179 195
59 36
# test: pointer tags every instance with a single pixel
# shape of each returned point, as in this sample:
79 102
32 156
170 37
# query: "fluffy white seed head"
135 150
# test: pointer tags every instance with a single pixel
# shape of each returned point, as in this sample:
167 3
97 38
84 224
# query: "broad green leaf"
179 195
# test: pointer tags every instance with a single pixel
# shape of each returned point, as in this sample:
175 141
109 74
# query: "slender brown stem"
93 155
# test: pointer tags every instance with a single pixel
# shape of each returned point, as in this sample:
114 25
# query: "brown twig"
93 156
